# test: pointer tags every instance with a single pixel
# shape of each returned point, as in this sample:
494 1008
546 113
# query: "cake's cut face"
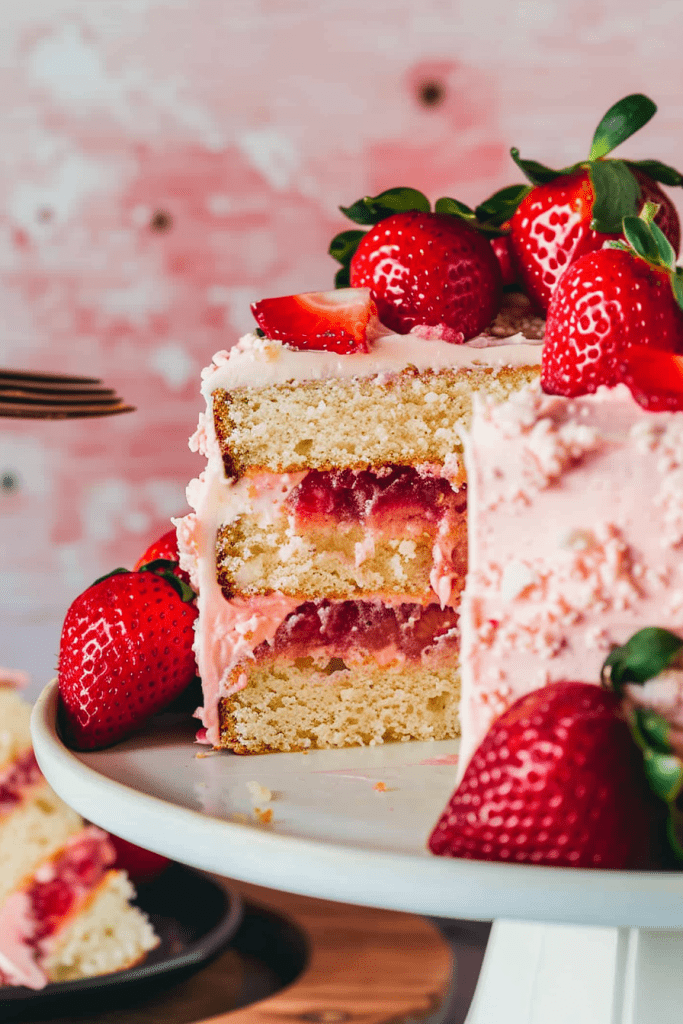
51 924
64 914
328 541
34 822
576 525
346 533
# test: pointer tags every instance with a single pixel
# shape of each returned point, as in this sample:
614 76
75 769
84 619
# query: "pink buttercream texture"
575 519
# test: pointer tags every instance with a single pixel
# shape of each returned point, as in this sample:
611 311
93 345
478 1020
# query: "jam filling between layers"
370 506
393 499
334 634
22 774
58 888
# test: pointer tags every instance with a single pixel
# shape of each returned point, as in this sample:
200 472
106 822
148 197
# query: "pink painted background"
165 162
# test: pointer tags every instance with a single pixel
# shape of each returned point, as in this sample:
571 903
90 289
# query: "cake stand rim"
437 886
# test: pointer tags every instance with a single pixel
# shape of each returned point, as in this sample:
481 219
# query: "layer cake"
328 537
575 528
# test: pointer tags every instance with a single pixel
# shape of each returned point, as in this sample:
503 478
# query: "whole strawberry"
608 301
140 865
125 653
163 550
557 780
429 268
571 212
422 267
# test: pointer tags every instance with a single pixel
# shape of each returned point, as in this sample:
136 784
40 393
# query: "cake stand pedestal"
351 826
542 973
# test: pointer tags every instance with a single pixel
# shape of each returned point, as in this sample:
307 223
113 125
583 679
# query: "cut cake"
65 913
328 538
604 478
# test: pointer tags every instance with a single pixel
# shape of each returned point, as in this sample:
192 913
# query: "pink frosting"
575 532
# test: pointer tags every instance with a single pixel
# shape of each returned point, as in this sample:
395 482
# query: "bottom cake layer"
288 706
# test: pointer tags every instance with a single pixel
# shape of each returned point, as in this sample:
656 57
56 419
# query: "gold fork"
55 396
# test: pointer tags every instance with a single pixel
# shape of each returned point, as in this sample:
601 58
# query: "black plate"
193 916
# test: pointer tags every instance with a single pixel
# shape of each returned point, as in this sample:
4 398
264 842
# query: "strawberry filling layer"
22 774
356 631
31 916
392 496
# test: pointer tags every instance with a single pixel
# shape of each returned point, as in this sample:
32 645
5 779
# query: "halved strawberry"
335 321
654 377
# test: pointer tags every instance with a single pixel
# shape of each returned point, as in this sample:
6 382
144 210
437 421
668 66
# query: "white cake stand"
568 946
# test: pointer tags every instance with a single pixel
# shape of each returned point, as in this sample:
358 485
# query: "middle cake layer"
342 534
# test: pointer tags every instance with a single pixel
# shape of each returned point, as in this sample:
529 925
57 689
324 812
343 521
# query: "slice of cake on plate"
328 537
65 913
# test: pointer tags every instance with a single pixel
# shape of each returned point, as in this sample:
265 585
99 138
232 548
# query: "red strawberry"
557 780
655 378
336 321
552 228
165 549
574 211
606 302
141 865
429 268
506 261
125 653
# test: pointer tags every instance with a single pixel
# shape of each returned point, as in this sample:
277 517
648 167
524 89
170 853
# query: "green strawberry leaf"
164 567
667 255
455 208
677 285
502 204
371 210
114 572
620 122
637 232
538 174
658 171
616 192
646 654
654 730
674 829
342 279
664 774
159 565
343 246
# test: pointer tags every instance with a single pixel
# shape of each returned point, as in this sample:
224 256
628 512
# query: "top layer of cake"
575 530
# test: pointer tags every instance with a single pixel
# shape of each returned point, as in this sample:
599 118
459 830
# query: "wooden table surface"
364 966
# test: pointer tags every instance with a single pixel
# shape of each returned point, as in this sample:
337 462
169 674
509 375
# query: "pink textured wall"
165 162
